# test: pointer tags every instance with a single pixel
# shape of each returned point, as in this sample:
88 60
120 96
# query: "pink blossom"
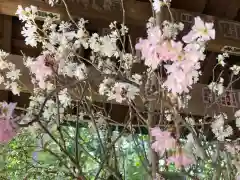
8 128
163 140
165 51
40 70
182 62
155 49
154 54
7 109
200 30
149 53
177 50
180 160
181 76
152 49
7 131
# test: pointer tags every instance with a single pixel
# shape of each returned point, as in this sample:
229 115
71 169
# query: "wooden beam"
137 13
233 9
188 5
227 32
7 33
226 9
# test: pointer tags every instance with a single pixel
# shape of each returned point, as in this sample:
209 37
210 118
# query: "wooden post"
7 33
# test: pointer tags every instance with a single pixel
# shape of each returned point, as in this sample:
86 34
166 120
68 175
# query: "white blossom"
235 69
69 69
132 91
1 79
27 61
64 98
150 23
13 75
123 91
128 61
108 48
64 26
137 78
14 87
52 2
29 13
171 30
123 30
220 130
190 121
29 32
217 87
168 115
3 54
82 38
157 4
220 59
94 42
104 87
113 25
237 116
81 71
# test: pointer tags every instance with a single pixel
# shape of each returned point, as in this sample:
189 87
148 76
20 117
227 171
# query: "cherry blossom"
8 128
155 50
217 87
163 140
123 91
157 5
221 130
7 131
221 58
150 48
40 70
182 60
235 69
182 73
200 31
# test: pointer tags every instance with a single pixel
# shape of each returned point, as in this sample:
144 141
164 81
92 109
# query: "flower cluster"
181 61
157 4
10 77
221 58
220 130
61 46
40 70
235 69
164 142
217 87
118 91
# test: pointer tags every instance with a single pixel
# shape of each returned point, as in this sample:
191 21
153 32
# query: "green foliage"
16 159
